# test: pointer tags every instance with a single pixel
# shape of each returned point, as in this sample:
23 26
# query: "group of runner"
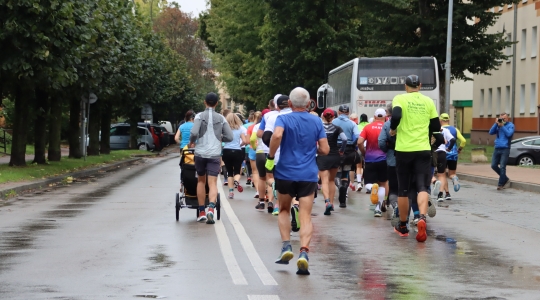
292 153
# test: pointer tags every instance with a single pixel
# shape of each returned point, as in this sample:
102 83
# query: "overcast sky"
191 6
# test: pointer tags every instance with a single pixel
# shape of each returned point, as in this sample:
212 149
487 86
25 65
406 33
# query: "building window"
481 102
497 107
534 41
534 101
523 43
522 99
509 48
489 102
508 100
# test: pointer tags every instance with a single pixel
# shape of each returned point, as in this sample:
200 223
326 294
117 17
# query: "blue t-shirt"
237 139
301 132
185 131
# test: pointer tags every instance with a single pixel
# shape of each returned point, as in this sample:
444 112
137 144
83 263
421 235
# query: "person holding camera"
504 131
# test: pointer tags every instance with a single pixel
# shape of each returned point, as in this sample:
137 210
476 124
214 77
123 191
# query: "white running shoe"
359 187
436 188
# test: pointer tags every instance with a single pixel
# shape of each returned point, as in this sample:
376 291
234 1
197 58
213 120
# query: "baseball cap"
211 99
282 100
328 112
412 81
444 116
264 111
380 113
275 99
344 108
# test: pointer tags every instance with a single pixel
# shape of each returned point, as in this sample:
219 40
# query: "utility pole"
514 39
448 64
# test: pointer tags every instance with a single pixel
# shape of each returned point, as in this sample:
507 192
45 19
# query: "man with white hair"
296 174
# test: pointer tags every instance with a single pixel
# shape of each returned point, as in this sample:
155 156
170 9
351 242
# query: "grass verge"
66 165
465 155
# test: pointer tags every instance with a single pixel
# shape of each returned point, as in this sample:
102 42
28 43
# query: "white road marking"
263 297
246 242
228 255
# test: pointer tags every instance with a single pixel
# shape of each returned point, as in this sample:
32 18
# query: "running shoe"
455 181
421 236
440 197
374 193
394 220
448 197
225 182
275 212
270 207
295 219
210 216
353 188
248 181
260 206
359 187
202 216
415 220
238 186
377 213
436 188
231 195
328 208
285 256
303 264
256 195
432 210
402 230
383 206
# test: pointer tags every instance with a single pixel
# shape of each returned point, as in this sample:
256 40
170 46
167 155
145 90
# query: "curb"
45 182
524 186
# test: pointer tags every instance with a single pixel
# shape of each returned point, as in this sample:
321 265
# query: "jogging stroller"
187 197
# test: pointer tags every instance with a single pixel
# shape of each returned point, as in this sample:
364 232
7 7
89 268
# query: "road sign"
146 112
312 105
92 98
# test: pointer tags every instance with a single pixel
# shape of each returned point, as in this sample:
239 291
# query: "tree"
422 31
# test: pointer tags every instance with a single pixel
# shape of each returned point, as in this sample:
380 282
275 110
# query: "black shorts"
327 162
451 164
375 172
441 162
413 168
260 161
233 158
392 181
296 189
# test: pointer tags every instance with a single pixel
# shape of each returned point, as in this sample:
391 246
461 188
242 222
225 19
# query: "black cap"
412 81
211 99
344 108
282 100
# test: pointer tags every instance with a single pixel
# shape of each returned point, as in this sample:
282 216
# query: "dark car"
525 151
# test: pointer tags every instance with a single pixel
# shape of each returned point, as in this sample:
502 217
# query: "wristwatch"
270 157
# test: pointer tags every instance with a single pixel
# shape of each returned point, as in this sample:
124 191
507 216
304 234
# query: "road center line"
228 255
246 242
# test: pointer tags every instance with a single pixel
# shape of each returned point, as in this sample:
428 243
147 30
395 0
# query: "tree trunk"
20 124
40 126
133 122
106 115
93 128
74 128
55 129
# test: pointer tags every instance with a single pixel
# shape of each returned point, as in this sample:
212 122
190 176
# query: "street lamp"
448 57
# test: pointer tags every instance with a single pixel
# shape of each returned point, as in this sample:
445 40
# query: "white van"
170 129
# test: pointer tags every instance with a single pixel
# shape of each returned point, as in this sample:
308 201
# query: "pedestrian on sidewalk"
504 129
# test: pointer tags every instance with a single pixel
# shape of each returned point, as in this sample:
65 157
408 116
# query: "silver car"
120 138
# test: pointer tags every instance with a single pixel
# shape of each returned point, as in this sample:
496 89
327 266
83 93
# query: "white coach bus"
366 84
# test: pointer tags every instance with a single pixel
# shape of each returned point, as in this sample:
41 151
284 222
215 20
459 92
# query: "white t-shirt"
261 147
271 125
447 137
237 140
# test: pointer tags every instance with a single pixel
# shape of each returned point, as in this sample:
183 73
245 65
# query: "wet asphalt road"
115 237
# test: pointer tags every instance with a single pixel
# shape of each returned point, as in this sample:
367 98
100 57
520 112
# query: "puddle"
160 260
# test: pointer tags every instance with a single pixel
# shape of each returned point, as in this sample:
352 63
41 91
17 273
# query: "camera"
500 120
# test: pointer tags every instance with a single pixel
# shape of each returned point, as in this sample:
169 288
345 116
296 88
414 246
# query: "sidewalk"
527 179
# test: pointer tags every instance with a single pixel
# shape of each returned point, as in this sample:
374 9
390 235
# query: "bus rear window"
388 74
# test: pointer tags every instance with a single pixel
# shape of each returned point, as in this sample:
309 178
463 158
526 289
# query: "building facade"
493 94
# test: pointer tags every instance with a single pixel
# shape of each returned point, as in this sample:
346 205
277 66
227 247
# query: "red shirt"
371 135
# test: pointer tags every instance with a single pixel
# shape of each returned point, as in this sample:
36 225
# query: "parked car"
525 151
120 137
170 130
155 135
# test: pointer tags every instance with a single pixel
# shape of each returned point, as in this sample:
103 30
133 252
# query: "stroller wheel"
218 207
177 206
